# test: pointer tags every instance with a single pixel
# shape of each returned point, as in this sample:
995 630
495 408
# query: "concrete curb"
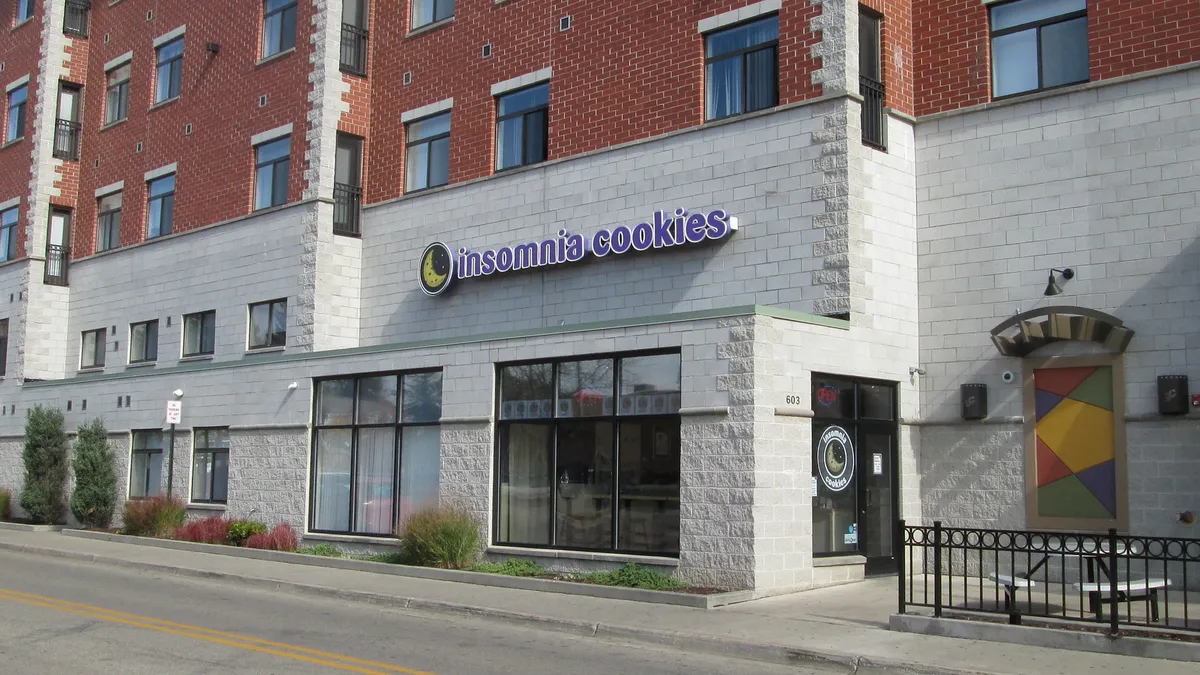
1100 643
25 527
477 578
752 651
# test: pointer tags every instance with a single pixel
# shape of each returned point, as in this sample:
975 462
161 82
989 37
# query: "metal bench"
1132 589
1011 583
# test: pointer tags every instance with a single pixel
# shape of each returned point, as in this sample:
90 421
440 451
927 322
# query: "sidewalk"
843 626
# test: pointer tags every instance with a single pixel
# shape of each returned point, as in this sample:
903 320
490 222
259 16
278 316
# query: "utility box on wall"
974 401
1172 394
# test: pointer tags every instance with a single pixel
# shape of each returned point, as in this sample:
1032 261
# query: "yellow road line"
247 642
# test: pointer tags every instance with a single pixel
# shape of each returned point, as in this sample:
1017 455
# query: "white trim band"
109 189
15 201
167 37
160 172
426 110
738 15
119 61
271 134
19 82
521 82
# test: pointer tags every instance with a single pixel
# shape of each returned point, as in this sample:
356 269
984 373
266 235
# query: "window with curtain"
268 325
17 99
199 333
279 26
116 94
376 451
160 206
146 464
742 68
428 152
425 12
143 342
91 353
8 233
108 220
168 78
210 466
1038 44
522 127
588 454
271 173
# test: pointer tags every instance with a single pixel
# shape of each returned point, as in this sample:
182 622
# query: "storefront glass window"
576 471
377 451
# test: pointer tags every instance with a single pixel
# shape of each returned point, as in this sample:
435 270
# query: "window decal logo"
835 459
437 268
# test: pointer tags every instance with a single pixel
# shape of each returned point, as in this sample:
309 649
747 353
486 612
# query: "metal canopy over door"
855 482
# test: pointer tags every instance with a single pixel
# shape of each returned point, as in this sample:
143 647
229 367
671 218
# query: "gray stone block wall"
268 475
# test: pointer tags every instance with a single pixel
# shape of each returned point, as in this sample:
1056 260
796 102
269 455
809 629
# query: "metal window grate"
66 139
56 265
347 209
874 115
354 50
75 21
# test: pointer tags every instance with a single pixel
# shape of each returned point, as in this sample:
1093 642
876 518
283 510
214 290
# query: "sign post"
174 415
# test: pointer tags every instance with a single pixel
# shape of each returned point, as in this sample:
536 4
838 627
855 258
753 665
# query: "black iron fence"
347 209
75 22
874 115
66 139
354 50
1106 580
57 259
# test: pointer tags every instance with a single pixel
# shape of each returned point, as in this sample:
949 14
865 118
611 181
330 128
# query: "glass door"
877 499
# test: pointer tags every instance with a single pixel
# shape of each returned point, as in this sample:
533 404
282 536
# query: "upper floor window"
271 173
199 333
431 11
870 79
143 342
347 185
742 68
522 127
169 78
353 57
108 219
279 26
92 353
116 97
160 206
75 21
3 347
268 324
15 130
428 156
8 234
1038 44
25 10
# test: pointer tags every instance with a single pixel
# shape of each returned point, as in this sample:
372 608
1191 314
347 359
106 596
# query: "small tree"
45 457
95 496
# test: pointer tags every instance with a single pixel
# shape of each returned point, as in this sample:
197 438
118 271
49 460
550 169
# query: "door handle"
868 498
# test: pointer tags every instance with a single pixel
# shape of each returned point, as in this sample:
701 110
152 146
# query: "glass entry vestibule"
855 477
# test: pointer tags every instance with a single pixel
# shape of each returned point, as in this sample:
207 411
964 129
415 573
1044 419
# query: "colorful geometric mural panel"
1076 469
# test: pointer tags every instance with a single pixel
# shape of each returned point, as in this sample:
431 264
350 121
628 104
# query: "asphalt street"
61 617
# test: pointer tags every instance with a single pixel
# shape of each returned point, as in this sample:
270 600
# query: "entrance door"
854 477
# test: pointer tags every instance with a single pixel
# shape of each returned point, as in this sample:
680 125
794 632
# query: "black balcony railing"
1054 579
56 265
66 139
75 22
874 116
354 50
347 209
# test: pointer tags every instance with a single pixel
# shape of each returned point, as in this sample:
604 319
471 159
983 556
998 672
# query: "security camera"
178 393
1009 376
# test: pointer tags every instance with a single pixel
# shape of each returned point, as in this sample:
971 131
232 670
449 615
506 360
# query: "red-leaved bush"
281 538
207 531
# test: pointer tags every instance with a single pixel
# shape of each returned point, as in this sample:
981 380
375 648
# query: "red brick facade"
896 52
1124 37
20 55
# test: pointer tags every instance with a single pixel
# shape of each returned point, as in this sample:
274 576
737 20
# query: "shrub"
322 550
5 504
281 538
392 558
438 537
633 576
45 456
513 567
241 530
95 496
153 517
207 531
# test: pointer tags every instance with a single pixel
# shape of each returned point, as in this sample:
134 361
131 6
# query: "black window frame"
873 108
352 57
429 141
174 67
166 206
525 114
437 4
20 110
259 164
281 11
741 54
9 230
207 318
271 335
398 425
616 418
109 222
211 452
134 451
99 350
121 90
26 7
149 342
3 347
76 18
1032 25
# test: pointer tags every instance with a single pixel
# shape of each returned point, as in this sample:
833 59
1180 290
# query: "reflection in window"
210 466
522 127
1038 44
742 68
146 464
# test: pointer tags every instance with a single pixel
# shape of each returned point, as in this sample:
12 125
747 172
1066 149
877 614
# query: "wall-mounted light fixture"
1052 287
178 393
